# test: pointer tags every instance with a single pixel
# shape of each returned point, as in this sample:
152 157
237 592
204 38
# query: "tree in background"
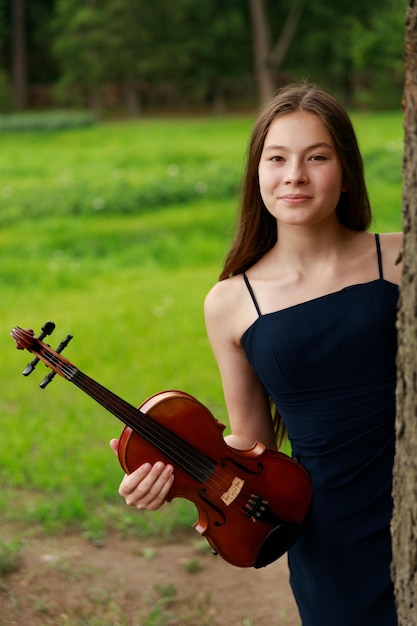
81 48
214 64
268 57
19 66
27 66
199 52
404 525
190 50
353 48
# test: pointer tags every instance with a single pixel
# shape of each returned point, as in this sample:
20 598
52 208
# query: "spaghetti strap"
252 295
378 251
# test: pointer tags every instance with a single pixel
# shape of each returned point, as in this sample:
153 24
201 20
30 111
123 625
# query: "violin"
251 503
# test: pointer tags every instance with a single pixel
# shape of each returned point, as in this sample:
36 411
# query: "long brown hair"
257 228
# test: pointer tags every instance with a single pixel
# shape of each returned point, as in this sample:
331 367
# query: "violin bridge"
234 490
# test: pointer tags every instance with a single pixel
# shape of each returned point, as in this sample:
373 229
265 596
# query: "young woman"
304 315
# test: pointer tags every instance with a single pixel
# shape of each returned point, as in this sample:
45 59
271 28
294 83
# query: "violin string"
154 433
129 415
185 452
189 458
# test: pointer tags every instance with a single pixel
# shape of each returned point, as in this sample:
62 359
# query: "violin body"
251 508
251 503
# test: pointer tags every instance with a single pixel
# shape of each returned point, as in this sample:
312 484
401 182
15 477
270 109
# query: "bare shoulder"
391 247
228 309
392 240
220 309
222 297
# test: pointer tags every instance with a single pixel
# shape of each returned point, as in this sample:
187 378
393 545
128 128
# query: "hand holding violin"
147 487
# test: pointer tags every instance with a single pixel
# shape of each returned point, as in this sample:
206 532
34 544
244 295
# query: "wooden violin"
250 503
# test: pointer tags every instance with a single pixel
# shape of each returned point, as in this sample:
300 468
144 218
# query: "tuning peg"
47 329
49 377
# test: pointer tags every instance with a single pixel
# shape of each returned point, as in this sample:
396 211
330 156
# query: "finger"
156 496
132 481
114 445
144 479
160 489
148 486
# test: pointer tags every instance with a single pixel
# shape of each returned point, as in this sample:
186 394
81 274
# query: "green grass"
381 141
10 557
116 232
119 168
138 329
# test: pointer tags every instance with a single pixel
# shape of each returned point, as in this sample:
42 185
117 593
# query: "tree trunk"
268 59
288 33
132 98
19 69
404 523
261 49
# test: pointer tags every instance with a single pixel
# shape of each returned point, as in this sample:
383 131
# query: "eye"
276 159
318 157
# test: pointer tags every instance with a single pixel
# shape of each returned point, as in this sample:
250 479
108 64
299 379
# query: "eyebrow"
314 146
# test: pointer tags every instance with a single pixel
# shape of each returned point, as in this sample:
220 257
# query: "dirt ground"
67 581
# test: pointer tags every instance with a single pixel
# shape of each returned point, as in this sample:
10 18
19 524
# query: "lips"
295 198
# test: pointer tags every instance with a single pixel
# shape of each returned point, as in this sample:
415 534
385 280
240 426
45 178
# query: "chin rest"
279 540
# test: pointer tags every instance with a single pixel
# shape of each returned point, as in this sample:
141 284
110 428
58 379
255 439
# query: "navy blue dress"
329 365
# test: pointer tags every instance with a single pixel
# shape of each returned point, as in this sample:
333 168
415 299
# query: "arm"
246 401
228 312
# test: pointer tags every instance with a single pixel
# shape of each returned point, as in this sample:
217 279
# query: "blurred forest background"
127 57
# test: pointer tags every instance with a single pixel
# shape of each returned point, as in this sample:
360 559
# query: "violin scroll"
26 340
23 338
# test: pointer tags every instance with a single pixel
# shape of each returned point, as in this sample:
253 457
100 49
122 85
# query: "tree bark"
404 523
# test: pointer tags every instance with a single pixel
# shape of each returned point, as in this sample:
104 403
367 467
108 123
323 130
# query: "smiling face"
300 174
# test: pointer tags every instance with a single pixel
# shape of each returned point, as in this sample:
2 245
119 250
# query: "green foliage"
128 280
197 45
362 59
192 52
47 121
84 46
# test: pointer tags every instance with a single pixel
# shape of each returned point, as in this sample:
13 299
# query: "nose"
296 173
